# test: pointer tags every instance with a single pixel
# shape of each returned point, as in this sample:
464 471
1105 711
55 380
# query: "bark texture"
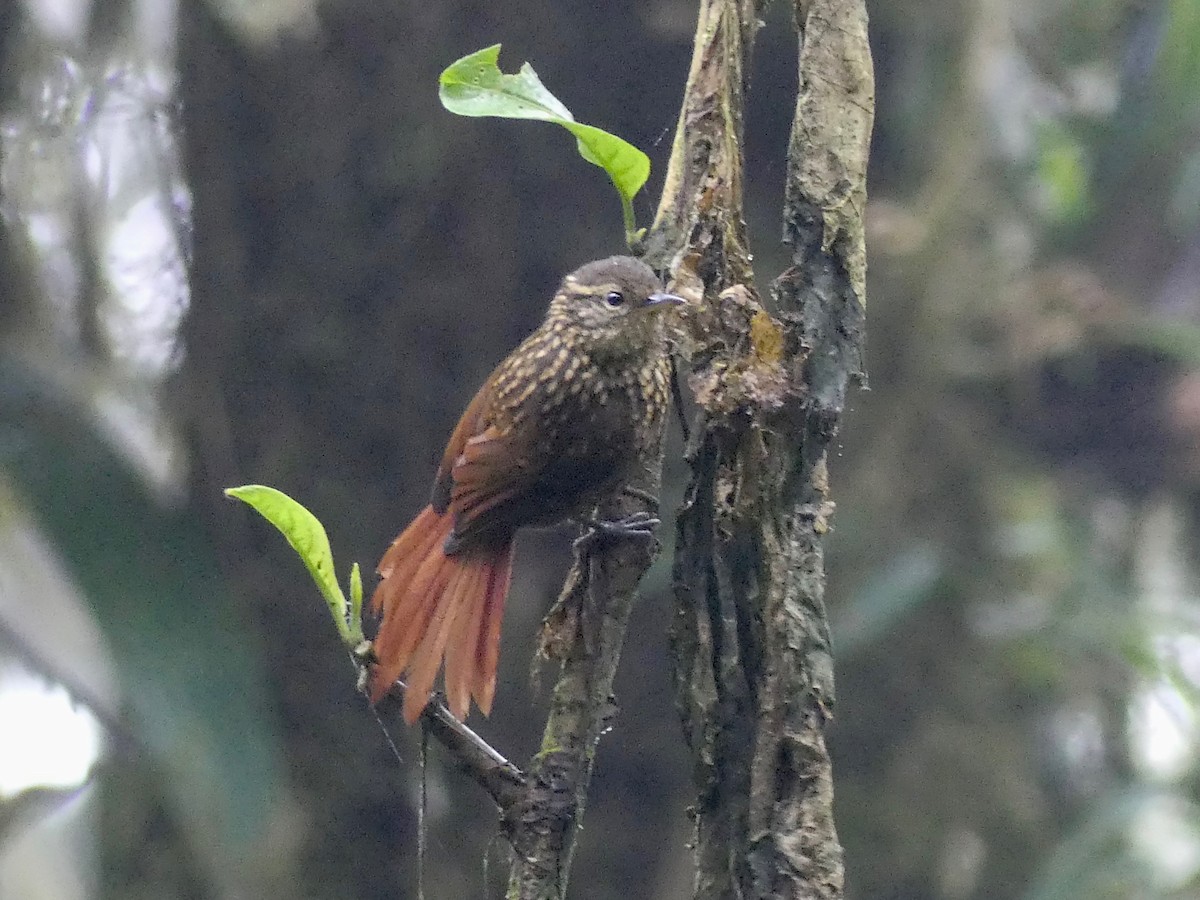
584 633
287 310
754 665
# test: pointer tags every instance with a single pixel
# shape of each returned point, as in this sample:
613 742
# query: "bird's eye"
614 298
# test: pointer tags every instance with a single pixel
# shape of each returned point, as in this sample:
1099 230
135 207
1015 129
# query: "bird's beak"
664 299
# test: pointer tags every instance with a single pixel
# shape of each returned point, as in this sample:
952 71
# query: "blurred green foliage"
189 659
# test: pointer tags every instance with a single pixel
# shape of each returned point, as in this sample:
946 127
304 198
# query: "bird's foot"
638 526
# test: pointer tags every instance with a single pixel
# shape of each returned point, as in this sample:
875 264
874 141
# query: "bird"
557 427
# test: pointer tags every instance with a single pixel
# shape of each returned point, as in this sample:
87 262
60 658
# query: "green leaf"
308 538
356 594
475 86
1062 170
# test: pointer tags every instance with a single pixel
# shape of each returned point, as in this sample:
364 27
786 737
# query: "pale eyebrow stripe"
610 286
594 288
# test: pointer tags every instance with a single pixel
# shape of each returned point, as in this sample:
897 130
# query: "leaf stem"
631 230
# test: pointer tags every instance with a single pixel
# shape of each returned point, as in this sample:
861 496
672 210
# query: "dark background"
1012 577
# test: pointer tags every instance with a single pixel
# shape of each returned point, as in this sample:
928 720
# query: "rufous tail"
437 607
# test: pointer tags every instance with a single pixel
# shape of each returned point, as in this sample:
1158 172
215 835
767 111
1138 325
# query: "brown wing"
482 470
471 424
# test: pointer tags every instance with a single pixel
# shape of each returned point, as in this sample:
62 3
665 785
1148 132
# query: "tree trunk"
754 670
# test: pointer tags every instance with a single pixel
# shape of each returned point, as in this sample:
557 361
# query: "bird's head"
613 304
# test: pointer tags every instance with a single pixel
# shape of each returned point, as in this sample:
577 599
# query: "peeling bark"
753 663
754 669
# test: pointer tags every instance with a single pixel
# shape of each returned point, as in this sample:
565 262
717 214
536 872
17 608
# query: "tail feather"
422 600
439 608
487 640
427 581
405 571
397 601
460 646
409 549
427 658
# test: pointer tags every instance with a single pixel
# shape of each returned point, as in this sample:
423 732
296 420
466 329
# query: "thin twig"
486 766
422 824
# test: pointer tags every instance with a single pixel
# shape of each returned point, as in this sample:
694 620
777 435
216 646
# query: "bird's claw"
638 526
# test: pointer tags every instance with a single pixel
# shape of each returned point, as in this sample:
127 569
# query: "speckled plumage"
557 426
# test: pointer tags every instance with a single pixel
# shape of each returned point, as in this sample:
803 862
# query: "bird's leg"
562 622
638 526
571 609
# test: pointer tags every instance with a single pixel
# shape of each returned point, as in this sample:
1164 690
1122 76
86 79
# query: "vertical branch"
699 229
822 298
750 639
584 633
705 242
751 642
700 232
